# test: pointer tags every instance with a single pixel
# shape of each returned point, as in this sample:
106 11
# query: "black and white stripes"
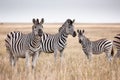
21 45
116 43
95 47
57 42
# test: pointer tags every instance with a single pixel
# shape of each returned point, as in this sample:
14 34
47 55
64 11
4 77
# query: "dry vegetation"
75 64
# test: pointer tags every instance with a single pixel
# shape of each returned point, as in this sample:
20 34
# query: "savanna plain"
75 65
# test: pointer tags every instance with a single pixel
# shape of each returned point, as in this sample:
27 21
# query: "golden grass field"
75 65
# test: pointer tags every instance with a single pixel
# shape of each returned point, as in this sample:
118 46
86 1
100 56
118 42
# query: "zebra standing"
95 47
116 43
51 43
19 45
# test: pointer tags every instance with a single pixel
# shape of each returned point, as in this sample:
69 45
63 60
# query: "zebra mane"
62 28
69 21
87 39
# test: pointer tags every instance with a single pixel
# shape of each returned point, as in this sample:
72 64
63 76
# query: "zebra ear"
78 31
73 20
37 21
33 21
83 31
42 21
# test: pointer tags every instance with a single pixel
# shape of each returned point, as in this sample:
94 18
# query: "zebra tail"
112 52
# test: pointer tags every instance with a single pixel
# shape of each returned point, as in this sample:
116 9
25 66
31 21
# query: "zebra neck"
62 39
86 43
64 34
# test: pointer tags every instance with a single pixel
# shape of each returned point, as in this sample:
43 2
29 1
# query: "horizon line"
61 23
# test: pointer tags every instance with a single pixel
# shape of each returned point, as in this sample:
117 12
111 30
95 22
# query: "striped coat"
116 43
53 43
19 45
95 47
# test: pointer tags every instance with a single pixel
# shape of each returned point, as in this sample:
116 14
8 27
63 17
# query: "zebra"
19 45
116 43
53 43
95 47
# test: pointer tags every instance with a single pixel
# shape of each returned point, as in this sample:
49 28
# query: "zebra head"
81 36
37 27
68 25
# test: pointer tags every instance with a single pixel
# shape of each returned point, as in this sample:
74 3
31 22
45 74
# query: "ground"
75 65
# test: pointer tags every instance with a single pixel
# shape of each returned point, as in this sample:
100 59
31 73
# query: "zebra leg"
34 59
61 55
117 54
61 58
27 60
108 55
11 58
12 62
89 56
55 54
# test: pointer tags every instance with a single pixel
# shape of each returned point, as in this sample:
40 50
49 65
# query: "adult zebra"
51 43
116 43
19 45
95 47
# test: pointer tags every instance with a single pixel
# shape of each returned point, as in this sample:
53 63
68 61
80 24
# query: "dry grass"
75 64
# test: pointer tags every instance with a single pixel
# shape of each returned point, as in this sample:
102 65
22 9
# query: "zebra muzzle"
74 34
40 32
80 41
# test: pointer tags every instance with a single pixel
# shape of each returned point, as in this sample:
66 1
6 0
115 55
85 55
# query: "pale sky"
83 11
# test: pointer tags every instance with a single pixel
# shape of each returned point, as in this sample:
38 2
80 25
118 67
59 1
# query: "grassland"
75 64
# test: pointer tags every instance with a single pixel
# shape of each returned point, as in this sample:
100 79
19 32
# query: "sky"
83 11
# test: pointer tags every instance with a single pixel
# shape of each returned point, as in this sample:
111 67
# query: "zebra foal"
53 43
95 47
19 45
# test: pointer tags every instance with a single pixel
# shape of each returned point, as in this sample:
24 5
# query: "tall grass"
75 65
